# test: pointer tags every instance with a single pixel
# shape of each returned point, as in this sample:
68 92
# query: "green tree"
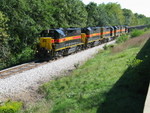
69 13
103 18
129 16
4 38
76 14
93 14
115 14
27 18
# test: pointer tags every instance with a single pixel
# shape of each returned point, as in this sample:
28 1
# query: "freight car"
64 41
130 28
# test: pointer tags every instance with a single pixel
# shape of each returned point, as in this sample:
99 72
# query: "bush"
106 47
134 63
26 55
10 107
136 33
122 39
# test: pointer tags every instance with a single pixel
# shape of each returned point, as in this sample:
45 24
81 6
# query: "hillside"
111 82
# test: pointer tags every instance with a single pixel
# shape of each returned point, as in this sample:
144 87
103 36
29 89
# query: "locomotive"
64 41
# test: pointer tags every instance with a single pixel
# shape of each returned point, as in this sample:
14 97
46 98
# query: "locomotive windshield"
54 33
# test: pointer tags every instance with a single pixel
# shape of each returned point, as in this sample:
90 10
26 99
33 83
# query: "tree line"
21 22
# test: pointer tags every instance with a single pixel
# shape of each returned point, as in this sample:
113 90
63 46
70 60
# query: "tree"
93 14
129 17
4 38
115 14
26 19
103 18
69 13
76 14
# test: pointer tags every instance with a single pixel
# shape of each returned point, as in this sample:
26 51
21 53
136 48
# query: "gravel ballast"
24 83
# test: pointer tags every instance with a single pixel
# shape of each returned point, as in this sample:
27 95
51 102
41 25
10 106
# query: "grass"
133 42
129 92
122 38
92 87
10 107
114 81
136 33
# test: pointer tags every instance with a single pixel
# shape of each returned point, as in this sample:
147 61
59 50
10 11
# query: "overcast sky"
137 6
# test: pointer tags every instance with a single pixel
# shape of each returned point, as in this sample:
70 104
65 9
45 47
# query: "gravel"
23 84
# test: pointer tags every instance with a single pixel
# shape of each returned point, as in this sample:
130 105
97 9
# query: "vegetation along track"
21 68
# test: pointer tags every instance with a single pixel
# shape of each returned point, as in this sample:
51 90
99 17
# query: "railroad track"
20 68
24 67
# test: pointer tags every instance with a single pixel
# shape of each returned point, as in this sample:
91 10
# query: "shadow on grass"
129 93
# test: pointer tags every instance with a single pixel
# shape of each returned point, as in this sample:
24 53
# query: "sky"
136 6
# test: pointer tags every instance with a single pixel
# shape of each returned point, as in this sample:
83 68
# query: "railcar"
116 31
130 28
122 30
61 42
108 33
93 36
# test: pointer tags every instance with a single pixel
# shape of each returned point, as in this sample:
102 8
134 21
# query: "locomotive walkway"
147 102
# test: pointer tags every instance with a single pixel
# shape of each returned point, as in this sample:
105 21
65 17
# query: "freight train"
64 41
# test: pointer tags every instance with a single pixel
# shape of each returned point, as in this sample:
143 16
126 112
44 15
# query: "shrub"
122 39
106 47
10 107
136 33
25 55
134 63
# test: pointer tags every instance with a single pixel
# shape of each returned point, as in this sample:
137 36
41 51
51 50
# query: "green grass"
136 33
122 38
10 107
88 86
111 82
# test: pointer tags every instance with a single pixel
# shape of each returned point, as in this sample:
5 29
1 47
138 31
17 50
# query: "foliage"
87 87
93 14
129 17
107 47
71 14
122 38
21 22
133 63
26 55
136 33
10 107
4 39
131 42
115 14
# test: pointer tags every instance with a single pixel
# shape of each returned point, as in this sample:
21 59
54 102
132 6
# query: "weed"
10 107
136 33
76 65
122 39
106 47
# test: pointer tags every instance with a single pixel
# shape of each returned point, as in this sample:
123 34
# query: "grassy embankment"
114 81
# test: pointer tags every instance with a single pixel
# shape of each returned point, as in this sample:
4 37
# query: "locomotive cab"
47 44
46 40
